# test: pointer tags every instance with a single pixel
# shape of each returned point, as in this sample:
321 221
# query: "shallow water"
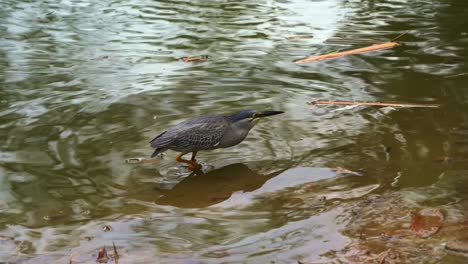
86 84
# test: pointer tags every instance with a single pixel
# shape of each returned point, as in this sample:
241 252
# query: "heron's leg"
192 163
180 159
193 156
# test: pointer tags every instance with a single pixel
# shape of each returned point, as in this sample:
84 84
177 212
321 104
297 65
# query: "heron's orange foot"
194 166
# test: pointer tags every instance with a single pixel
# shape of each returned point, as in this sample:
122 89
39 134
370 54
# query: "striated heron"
207 132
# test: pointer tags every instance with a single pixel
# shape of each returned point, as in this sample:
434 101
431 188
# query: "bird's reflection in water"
205 189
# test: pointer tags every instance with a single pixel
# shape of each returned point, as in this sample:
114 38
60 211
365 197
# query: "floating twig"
358 41
116 254
376 47
141 160
197 58
455 75
399 36
312 104
382 256
345 171
457 246
72 256
301 36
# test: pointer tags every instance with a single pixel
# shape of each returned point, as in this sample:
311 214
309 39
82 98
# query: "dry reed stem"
382 46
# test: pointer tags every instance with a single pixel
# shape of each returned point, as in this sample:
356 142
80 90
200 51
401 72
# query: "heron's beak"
267 113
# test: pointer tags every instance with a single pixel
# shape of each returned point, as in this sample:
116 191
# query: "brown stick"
116 254
301 37
349 41
455 75
369 104
197 58
386 45
399 36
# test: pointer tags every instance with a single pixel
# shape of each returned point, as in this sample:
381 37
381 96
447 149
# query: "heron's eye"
254 117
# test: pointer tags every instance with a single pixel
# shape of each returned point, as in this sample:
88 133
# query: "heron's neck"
235 135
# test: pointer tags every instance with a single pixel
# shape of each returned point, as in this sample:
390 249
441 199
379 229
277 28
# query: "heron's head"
249 118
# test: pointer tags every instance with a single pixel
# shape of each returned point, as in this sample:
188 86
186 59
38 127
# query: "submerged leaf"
426 223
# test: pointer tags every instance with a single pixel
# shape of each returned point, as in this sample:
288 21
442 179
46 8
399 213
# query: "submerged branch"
312 104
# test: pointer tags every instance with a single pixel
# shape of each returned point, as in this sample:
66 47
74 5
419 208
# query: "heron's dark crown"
242 115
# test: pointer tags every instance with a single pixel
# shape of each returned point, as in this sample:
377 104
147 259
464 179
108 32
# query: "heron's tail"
157 151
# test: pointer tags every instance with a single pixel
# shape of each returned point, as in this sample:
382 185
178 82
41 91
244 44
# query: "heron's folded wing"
199 132
204 134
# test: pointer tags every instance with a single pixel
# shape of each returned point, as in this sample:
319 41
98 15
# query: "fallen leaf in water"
427 222
102 255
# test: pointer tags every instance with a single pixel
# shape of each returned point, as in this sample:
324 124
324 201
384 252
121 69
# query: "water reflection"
205 189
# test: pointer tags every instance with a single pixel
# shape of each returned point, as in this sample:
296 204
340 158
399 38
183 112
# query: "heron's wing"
203 135
201 132
154 140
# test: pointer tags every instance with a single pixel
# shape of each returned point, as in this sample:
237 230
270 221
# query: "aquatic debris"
345 171
88 238
102 256
314 103
353 41
134 160
375 47
455 75
301 36
196 58
5 238
143 160
116 254
457 246
72 256
389 256
427 222
106 228
447 159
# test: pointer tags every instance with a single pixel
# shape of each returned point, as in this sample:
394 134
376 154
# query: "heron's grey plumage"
200 133
206 132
